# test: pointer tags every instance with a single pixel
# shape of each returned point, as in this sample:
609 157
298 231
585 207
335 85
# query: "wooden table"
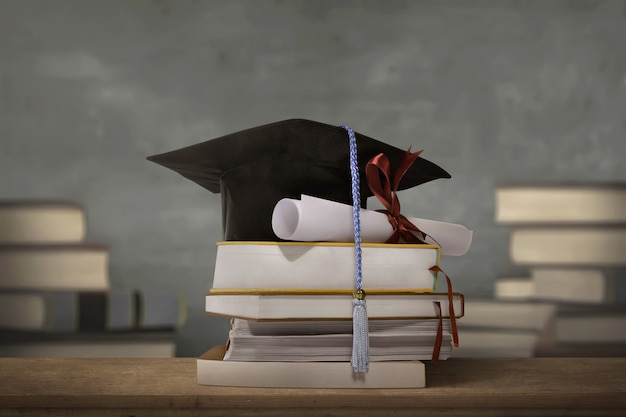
456 387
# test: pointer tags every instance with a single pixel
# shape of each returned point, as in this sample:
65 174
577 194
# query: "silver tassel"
360 333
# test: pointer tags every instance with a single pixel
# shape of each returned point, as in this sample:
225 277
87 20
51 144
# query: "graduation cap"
255 168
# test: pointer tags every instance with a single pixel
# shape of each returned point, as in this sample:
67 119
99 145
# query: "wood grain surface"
460 387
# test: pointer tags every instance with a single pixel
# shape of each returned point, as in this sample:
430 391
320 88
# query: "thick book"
324 265
580 285
496 343
281 305
513 288
213 370
509 315
584 350
564 204
92 311
24 221
125 344
593 327
568 245
550 346
312 327
76 266
331 340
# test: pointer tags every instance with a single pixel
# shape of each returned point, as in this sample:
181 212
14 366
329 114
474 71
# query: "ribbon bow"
386 192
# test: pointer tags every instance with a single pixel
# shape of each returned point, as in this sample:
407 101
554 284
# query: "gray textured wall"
493 91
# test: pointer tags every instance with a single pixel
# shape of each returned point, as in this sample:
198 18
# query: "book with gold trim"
324 265
328 304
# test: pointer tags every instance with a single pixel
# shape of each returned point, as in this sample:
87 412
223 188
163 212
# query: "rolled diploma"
312 219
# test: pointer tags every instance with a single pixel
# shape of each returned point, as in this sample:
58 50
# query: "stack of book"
55 296
291 310
572 240
290 271
496 328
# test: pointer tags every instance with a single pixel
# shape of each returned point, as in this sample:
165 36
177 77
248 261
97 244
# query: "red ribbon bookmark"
455 333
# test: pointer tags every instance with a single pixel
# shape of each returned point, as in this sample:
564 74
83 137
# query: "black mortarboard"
255 168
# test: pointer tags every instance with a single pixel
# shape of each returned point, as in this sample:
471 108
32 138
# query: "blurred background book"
573 300
55 295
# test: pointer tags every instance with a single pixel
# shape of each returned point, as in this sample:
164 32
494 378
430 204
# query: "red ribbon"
386 192
451 313
455 334
403 229
439 336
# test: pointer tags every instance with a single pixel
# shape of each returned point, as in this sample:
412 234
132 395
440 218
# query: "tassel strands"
360 329
360 333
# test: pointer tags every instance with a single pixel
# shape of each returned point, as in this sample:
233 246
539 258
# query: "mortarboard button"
255 168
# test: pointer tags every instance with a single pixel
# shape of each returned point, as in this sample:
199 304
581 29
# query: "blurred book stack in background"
571 301
572 240
55 296
499 328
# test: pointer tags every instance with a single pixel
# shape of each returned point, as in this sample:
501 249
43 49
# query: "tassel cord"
360 330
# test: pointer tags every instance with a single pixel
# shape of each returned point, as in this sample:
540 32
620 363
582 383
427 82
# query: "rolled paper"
313 219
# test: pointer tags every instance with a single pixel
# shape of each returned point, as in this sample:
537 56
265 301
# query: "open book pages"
241 327
337 306
213 370
302 341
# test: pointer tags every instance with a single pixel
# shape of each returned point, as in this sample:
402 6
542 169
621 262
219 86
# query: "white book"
496 343
561 203
518 315
514 288
324 265
336 347
568 245
331 340
212 370
592 328
280 306
76 266
23 222
580 285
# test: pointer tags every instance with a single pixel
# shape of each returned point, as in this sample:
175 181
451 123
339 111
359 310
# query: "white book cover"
518 315
212 370
324 265
282 306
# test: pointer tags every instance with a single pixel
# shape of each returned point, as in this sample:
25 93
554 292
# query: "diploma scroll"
312 219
